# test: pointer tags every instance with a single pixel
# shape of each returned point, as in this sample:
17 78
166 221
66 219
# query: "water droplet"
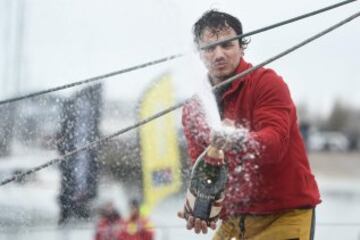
238 169
247 177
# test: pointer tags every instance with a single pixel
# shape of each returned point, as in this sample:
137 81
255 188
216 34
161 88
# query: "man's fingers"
197 225
204 227
181 214
218 138
213 225
190 223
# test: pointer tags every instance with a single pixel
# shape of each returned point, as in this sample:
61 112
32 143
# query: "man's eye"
209 49
227 45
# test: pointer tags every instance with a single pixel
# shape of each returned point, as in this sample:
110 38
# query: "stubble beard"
220 78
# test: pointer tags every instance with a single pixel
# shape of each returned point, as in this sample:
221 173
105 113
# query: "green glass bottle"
207 185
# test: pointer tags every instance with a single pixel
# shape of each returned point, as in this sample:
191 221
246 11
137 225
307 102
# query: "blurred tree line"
343 118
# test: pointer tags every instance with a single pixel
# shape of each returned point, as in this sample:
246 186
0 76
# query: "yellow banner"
159 145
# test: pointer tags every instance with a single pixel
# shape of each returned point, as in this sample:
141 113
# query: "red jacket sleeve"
196 129
272 117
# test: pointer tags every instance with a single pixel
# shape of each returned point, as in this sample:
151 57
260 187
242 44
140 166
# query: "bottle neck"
216 153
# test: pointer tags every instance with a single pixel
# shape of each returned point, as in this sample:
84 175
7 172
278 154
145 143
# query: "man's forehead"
216 32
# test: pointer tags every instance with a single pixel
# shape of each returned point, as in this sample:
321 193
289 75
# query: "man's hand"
196 223
228 137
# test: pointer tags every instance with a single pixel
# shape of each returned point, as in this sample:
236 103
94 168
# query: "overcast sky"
69 40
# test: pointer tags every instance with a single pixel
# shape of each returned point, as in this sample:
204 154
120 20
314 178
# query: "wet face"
221 60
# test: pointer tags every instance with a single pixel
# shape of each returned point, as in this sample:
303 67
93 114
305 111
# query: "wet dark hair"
216 20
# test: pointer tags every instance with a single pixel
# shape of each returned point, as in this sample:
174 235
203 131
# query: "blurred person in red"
110 225
137 227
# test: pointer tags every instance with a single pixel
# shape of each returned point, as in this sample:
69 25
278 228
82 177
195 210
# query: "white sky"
68 40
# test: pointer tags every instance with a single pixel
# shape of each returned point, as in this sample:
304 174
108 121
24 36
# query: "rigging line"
178 105
90 80
316 36
90 145
171 57
275 25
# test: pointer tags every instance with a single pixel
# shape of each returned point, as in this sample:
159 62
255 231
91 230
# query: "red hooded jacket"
272 173
109 230
138 228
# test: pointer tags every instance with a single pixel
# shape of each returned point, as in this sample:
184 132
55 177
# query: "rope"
316 36
171 57
278 24
176 106
90 80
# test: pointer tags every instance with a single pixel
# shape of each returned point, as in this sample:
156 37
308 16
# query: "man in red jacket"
271 193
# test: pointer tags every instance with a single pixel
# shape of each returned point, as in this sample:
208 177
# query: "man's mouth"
219 64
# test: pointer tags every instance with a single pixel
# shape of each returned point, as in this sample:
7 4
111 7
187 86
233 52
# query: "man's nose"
218 52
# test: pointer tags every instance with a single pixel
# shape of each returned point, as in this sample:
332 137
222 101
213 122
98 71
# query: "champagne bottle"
207 184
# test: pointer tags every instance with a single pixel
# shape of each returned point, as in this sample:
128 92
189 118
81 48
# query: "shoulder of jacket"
265 73
264 76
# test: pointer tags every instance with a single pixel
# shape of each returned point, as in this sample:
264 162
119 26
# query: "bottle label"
193 203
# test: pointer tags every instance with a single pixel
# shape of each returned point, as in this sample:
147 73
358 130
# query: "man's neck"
214 80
